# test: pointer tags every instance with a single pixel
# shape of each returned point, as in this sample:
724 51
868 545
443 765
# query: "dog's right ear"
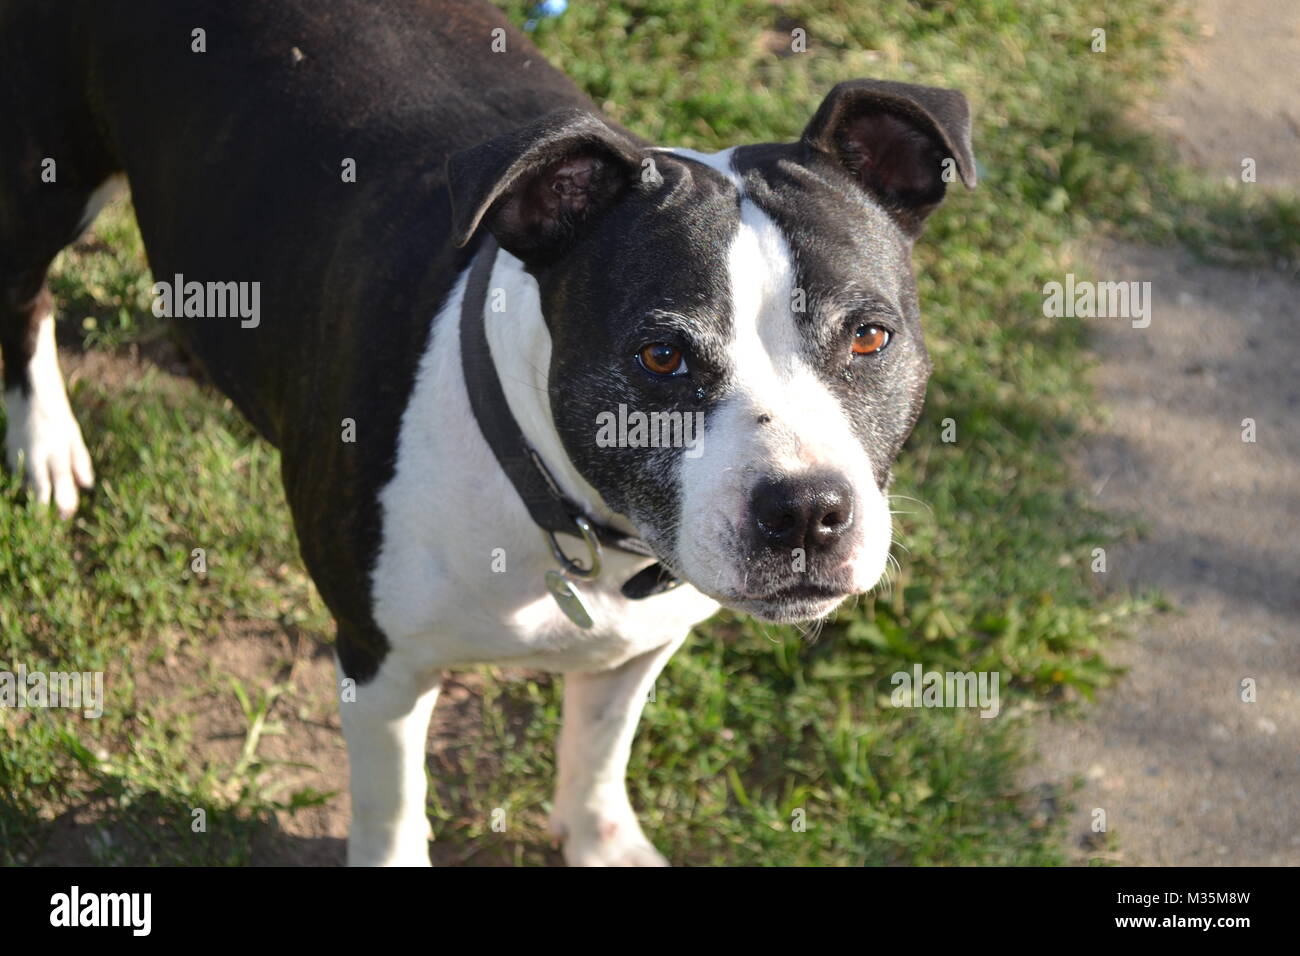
895 140
536 186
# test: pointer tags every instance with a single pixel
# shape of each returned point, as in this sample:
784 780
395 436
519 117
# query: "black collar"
549 507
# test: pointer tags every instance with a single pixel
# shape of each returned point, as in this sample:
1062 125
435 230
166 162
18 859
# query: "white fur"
592 813
385 727
43 439
450 507
450 510
441 605
807 428
721 161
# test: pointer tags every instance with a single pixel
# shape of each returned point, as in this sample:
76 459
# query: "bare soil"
1186 770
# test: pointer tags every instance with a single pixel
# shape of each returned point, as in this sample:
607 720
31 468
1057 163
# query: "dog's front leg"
386 726
592 814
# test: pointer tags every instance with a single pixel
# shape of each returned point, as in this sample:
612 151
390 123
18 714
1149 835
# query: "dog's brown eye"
659 358
868 339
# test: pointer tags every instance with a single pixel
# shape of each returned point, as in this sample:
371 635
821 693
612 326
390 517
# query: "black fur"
234 160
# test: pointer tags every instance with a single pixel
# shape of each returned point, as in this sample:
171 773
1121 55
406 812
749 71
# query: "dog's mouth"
791 603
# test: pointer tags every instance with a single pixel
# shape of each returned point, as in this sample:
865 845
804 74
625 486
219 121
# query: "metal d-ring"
570 568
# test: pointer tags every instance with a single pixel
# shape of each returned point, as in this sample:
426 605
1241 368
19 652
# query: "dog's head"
764 293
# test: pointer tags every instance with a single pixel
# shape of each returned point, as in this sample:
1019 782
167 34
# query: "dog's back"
295 147
168 92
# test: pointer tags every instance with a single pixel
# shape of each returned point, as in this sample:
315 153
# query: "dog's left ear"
537 186
901 142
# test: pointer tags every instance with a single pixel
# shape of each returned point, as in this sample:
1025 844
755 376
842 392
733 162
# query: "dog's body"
757 270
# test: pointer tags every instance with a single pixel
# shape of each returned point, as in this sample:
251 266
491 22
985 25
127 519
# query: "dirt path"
1186 770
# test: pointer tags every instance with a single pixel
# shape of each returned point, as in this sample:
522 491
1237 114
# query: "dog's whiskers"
910 498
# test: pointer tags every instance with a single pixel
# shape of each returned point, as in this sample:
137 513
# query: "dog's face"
736 346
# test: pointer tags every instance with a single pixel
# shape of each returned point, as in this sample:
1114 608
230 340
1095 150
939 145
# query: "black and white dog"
460 260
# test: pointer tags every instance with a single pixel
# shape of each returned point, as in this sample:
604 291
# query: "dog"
456 256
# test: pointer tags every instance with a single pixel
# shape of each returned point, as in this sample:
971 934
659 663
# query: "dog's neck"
521 353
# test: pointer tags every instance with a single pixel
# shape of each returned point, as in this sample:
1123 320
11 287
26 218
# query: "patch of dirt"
1187 771
302 748
1236 98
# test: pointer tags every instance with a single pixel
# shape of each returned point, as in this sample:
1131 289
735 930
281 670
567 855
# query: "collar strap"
551 510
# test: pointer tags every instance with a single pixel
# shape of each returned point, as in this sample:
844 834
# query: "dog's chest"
527 628
480 597
460 574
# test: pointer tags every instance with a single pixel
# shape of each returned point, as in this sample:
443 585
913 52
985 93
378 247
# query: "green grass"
752 727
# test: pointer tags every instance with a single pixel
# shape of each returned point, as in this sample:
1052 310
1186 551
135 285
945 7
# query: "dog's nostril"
832 520
776 523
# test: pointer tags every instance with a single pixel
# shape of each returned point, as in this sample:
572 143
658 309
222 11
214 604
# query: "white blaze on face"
779 419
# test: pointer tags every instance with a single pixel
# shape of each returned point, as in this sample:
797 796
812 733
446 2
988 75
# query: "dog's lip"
787 611
827 584
801 591
800 601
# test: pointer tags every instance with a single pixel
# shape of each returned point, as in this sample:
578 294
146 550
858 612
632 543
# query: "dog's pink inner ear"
554 200
566 188
892 157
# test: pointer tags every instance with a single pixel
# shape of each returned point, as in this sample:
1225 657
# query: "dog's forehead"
667 250
842 239
843 249
745 240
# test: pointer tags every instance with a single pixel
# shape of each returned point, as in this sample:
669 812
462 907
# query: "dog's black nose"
812 512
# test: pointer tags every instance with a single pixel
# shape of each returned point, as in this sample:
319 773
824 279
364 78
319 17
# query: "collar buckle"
572 569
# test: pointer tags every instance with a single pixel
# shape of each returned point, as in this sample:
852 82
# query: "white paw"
44 441
607 841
